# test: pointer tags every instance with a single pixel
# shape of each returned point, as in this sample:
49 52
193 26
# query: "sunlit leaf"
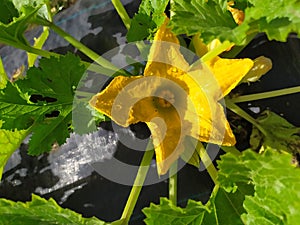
40 211
43 101
15 17
276 183
212 20
147 20
9 142
3 75
222 208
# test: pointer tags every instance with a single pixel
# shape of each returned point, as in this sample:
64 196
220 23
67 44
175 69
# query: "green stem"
205 159
173 183
231 149
32 50
216 51
38 43
236 109
81 47
268 94
122 12
47 54
137 186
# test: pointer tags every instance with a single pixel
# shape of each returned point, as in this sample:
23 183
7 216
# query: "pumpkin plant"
182 102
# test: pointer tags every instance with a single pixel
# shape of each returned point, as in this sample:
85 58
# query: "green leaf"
15 18
8 11
149 17
43 101
209 18
212 19
222 208
276 20
9 142
141 27
166 213
276 183
253 189
279 134
40 211
49 131
55 78
3 75
85 118
155 9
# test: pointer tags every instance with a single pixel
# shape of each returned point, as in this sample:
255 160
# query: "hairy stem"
137 186
236 109
122 13
264 95
36 51
173 183
205 159
84 49
216 51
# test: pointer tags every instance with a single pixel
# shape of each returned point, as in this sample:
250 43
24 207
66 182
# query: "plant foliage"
145 22
15 17
40 211
43 101
211 19
254 188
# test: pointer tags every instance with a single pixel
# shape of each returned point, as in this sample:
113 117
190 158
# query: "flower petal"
123 98
204 112
167 135
165 58
229 72
212 128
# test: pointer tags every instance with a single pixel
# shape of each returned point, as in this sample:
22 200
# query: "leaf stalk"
137 185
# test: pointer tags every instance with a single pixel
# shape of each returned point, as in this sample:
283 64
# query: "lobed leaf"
40 211
276 183
43 101
212 19
147 20
276 20
222 208
253 189
9 142
3 75
15 16
209 18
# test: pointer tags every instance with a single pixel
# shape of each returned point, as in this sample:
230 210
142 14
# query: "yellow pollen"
174 70
165 98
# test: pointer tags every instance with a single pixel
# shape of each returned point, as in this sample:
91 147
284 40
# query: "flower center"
165 98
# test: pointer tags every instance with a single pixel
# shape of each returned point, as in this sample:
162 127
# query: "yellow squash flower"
174 99
238 15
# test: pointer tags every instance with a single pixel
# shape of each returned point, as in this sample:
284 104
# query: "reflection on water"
72 161
68 164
